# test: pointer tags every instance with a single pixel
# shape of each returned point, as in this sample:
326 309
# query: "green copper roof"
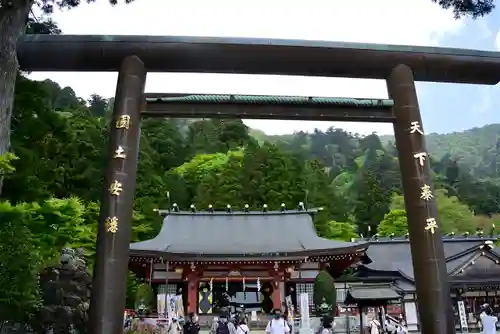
269 100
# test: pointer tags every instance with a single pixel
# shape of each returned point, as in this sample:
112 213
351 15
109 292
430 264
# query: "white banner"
304 310
463 316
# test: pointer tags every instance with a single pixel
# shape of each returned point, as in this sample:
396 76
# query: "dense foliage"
53 179
324 293
473 8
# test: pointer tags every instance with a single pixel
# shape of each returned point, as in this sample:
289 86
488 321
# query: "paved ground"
262 332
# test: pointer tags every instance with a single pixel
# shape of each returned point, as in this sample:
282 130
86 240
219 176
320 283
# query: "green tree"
371 202
41 26
344 231
215 135
20 262
473 8
324 293
320 194
98 105
395 223
222 188
454 216
60 153
144 296
14 16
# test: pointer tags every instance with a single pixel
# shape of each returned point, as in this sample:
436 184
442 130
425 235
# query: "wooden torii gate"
134 56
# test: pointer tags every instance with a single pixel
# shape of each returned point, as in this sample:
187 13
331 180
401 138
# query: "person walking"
277 325
191 326
242 327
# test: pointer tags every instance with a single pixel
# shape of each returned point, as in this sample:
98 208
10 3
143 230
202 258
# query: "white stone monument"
305 320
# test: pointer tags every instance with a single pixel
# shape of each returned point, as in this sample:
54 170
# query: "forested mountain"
53 179
477 149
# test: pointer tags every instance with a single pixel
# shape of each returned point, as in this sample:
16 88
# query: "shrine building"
250 259
472 262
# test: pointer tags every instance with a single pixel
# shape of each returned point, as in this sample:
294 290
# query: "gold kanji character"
123 122
111 224
119 153
431 225
415 127
426 193
115 188
421 157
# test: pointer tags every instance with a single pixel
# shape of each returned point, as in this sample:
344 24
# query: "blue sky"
455 107
445 107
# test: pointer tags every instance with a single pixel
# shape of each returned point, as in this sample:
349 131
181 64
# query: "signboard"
463 316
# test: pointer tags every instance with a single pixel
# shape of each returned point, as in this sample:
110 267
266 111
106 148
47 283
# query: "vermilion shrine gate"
134 56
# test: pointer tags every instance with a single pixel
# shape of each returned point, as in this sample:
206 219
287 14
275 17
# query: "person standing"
327 325
375 327
223 325
366 322
242 327
489 322
174 327
277 325
191 326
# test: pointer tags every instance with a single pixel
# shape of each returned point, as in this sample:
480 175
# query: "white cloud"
497 40
417 22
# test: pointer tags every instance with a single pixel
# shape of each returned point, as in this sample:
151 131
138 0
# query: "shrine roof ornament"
301 208
255 56
452 236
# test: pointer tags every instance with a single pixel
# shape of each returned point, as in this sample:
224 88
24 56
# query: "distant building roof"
371 293
394 255
241 234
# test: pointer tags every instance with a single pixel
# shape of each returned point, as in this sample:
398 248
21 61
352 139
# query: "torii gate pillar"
429 266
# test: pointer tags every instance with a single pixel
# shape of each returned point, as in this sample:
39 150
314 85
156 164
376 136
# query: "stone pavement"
352 332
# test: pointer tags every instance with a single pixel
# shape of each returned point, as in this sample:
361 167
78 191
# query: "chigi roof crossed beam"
268 107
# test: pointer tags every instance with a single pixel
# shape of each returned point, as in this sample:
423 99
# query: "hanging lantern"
244 285
211 284
227 284
258 284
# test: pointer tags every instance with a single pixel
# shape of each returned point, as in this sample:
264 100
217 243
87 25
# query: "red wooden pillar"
278 277
276 295
192 292
148 272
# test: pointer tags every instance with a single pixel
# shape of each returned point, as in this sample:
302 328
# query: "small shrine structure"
473 267
242 259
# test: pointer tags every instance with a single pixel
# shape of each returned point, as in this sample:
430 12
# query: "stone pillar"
113 239
429 267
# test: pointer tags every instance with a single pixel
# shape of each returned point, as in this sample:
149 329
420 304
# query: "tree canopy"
473 8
